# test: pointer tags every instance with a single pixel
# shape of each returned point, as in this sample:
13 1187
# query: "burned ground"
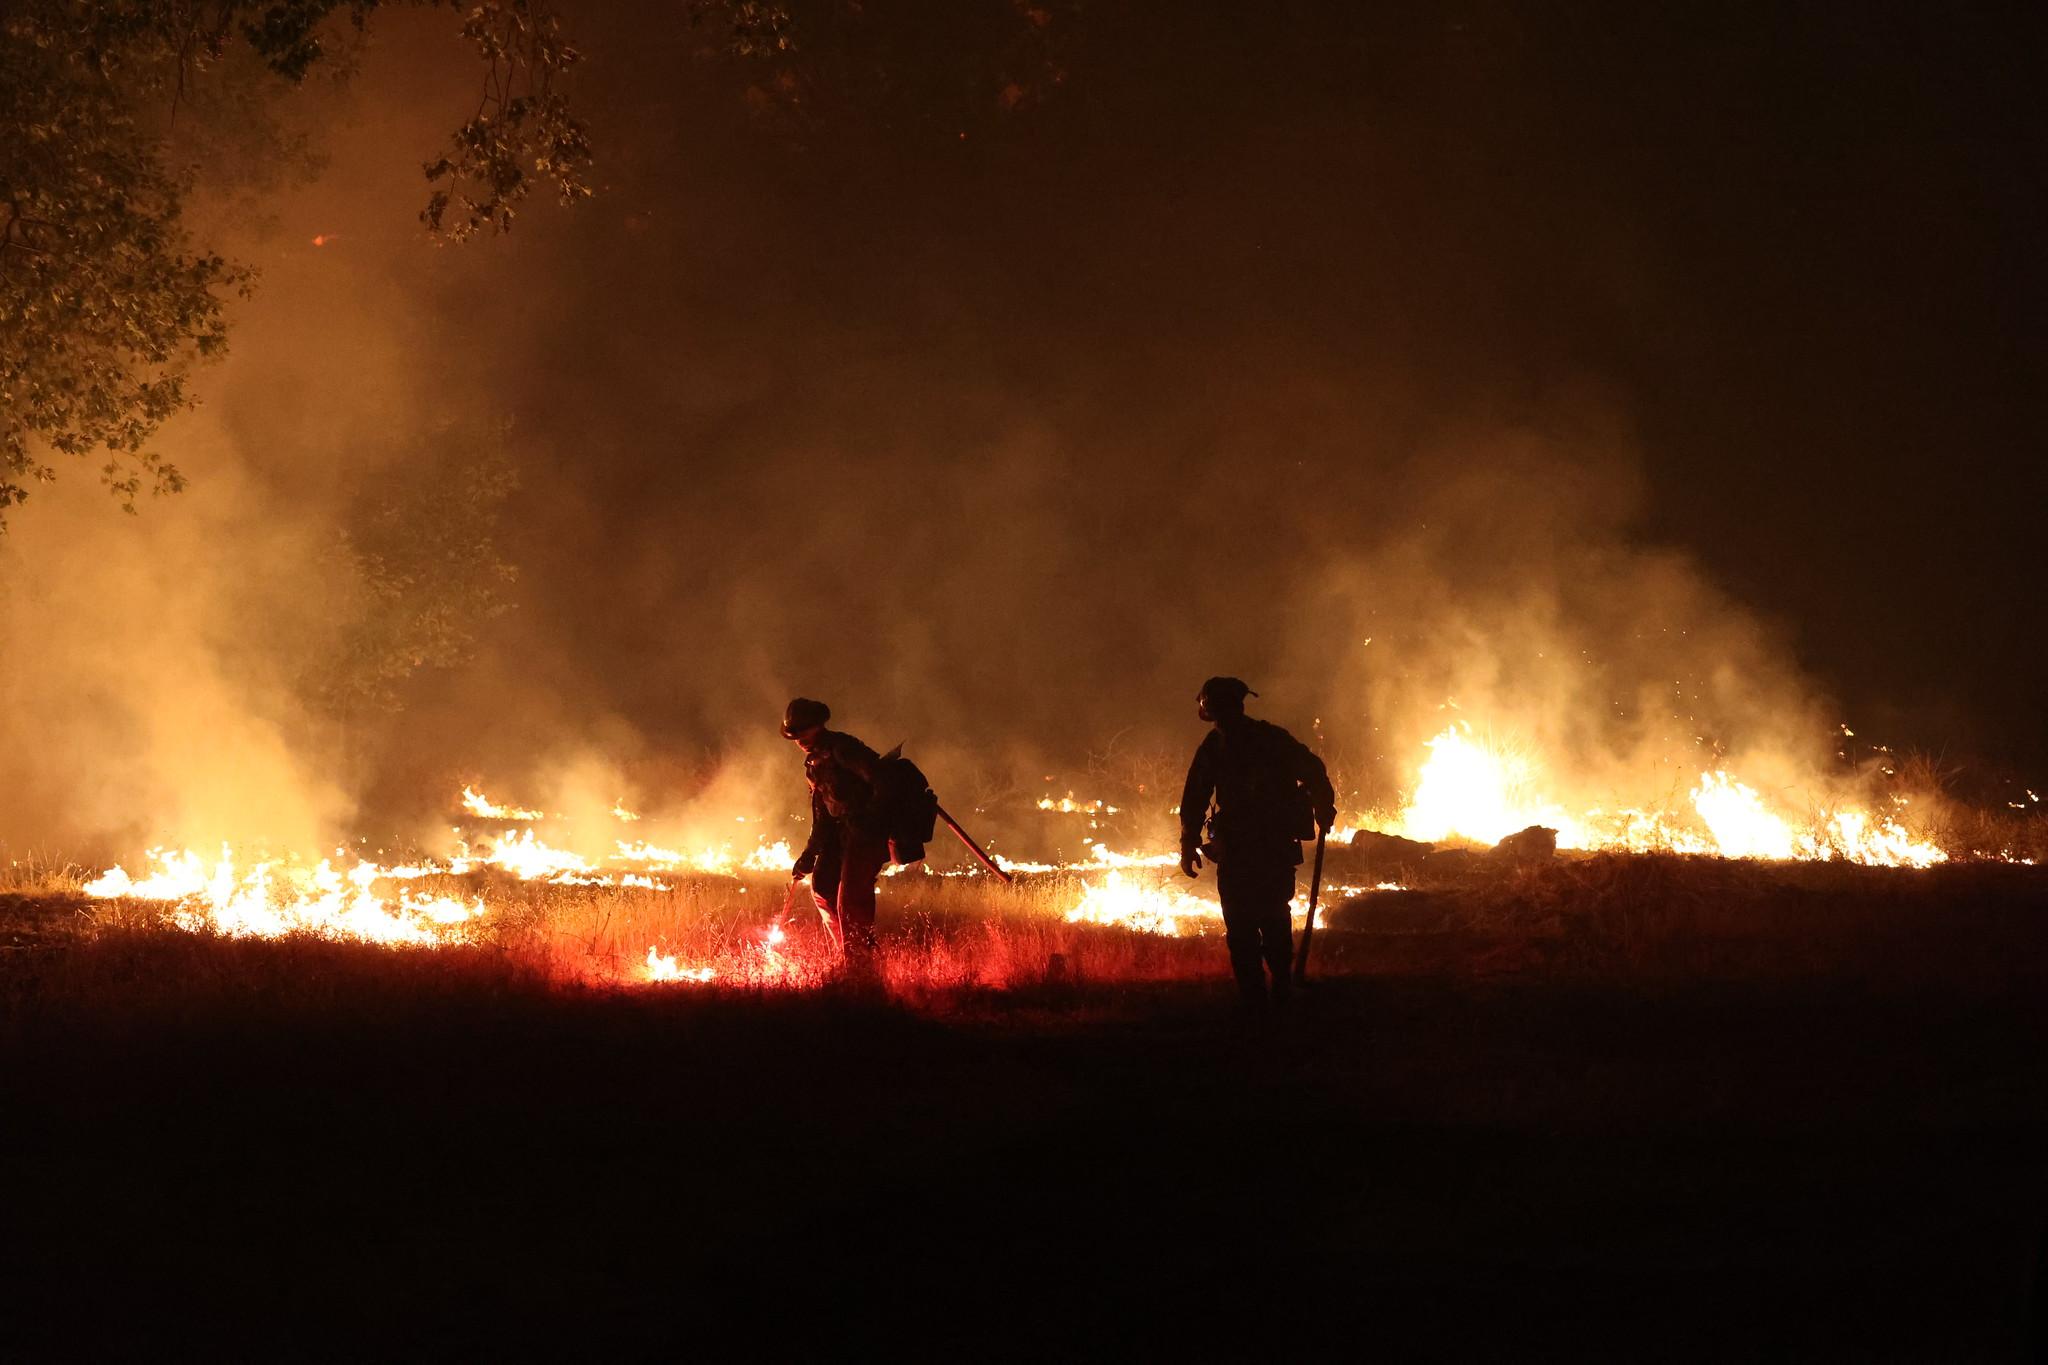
1607 1118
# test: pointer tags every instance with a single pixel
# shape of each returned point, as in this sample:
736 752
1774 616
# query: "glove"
1326 819
1191 861
804 865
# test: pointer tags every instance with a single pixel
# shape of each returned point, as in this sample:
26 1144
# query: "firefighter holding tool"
867 811
1256 792
849 842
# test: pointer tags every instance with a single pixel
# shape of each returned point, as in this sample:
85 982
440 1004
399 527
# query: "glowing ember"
662 968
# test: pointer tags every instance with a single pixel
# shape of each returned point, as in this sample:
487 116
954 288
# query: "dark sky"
1140 352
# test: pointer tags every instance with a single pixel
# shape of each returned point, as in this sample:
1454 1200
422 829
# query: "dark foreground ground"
304 1150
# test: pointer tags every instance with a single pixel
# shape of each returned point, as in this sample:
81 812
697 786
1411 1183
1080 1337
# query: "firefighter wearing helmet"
1256 792
849 843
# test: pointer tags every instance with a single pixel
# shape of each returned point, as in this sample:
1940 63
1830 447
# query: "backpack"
907 806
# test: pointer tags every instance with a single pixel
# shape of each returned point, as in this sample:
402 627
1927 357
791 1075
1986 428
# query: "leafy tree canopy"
105 301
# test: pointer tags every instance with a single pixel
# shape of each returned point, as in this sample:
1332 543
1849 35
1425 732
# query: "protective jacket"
848 847
1270 793
841 773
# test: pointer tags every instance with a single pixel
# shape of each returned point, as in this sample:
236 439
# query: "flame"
178 873
766 857
1481 793
1067 805
1466 786
476 803
1130 904
1099 855
1742 827
525 856
265 900
1471 789
721 860
1858 838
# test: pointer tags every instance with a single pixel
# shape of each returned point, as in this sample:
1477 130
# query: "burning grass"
941 936
682 907
683 902
949 942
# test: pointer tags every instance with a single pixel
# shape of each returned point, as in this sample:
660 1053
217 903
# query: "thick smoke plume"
1001 443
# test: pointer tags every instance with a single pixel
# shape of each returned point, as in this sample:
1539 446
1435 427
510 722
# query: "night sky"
1202 306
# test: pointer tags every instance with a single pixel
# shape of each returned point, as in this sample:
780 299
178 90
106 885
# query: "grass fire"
792 678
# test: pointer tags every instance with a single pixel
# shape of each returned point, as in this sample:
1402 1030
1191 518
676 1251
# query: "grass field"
1622 1107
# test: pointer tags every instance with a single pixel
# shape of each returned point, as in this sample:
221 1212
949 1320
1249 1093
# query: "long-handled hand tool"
974 848
1315 891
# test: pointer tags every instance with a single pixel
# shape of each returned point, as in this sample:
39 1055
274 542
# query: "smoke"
146 691
1513 596
170 677
999 443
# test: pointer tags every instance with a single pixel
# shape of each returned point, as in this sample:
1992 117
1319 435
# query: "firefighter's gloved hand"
1326 819
1191 861
804 865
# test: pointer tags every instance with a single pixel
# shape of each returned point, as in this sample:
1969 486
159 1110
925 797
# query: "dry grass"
943 940
949 943
39 873
1659 917
939 935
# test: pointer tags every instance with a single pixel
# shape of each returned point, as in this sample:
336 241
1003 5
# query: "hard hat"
1229 691
803 714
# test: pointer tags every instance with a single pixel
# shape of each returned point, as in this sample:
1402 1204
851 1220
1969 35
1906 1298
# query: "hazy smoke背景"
999 441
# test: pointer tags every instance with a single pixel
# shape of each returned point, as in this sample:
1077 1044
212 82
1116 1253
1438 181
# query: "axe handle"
1315 891
974 848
